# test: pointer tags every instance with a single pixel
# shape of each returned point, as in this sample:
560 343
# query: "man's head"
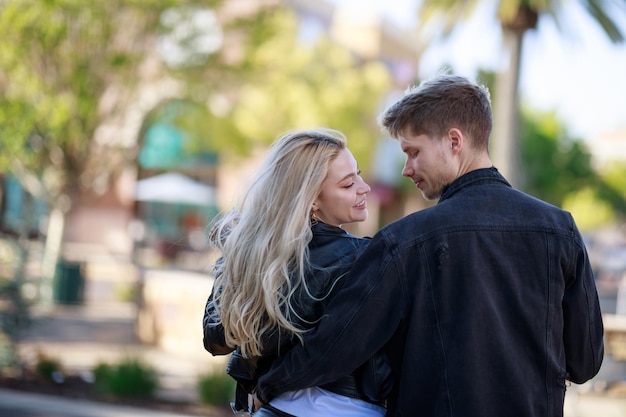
443 126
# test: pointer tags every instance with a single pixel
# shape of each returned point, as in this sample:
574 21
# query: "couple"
482 305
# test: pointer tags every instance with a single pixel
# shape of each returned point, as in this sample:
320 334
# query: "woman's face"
343 196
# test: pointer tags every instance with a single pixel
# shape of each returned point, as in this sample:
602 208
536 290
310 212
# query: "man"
485 303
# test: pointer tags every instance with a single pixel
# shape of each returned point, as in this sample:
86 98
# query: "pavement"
81 337
99 330
23 404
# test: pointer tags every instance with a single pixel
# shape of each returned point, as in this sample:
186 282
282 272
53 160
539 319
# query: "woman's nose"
364 188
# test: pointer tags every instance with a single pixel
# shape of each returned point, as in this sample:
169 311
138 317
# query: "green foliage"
613 186
291 84
451 12
216 388
554 165
58 58
588 210
68 67
101 374
125 292
130 378
319 85
46 367
559 169
14 309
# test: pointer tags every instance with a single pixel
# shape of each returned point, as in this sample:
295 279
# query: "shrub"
216 388
49 369
125 292
130 378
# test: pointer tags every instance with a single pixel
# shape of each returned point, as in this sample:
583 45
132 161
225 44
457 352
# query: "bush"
216 389
130 378
125 292
49 369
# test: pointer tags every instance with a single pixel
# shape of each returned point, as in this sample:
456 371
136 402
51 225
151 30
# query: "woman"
283 254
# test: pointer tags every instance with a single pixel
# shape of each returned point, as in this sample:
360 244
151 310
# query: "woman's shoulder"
333 246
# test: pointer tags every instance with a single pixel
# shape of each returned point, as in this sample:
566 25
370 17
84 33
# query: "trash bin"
69 283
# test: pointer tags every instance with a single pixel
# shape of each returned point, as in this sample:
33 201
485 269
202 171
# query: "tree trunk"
506 147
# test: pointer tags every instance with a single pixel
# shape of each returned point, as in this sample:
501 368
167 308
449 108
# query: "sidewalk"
81 337
22 404
101 330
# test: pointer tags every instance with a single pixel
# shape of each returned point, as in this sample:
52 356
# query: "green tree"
559 169
603 202
612 187
294 85
516 17
70 69
554 164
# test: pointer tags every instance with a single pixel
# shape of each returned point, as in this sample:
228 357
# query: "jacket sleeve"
360 311
214 340
583 331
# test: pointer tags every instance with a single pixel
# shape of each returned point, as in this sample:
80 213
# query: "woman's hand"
256 403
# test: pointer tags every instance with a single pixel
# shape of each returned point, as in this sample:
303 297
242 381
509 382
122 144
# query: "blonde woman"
284 255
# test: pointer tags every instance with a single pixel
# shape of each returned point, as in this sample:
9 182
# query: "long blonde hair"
264 243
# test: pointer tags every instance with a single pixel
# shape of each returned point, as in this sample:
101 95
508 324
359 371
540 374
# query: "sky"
573 70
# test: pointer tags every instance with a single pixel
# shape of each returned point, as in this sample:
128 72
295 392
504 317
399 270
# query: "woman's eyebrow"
352 174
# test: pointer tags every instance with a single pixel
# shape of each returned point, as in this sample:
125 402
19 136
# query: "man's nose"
407 171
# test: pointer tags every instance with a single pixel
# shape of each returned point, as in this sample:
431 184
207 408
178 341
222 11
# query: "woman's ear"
314 208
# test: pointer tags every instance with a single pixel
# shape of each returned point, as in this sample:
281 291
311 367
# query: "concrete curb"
11 400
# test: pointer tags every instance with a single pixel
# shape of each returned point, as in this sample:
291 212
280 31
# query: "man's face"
429 162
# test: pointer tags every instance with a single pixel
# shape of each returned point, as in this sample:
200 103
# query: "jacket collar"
319 227
482 175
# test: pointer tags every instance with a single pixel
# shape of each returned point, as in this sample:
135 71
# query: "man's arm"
361 317
583 329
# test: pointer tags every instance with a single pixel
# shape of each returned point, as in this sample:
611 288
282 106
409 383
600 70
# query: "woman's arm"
214 340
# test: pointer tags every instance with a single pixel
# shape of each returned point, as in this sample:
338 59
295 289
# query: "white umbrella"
173 187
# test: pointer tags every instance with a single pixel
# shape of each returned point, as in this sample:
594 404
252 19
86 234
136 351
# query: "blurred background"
126 126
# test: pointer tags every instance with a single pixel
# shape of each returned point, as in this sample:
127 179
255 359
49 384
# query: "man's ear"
456 139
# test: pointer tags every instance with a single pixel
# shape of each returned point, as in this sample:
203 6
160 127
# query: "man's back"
493 280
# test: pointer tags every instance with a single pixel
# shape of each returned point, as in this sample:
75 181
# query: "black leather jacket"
332 252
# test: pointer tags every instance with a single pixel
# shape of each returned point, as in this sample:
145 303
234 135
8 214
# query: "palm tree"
516 18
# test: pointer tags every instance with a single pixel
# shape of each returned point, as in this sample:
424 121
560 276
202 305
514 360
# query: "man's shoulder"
412 219
411 225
